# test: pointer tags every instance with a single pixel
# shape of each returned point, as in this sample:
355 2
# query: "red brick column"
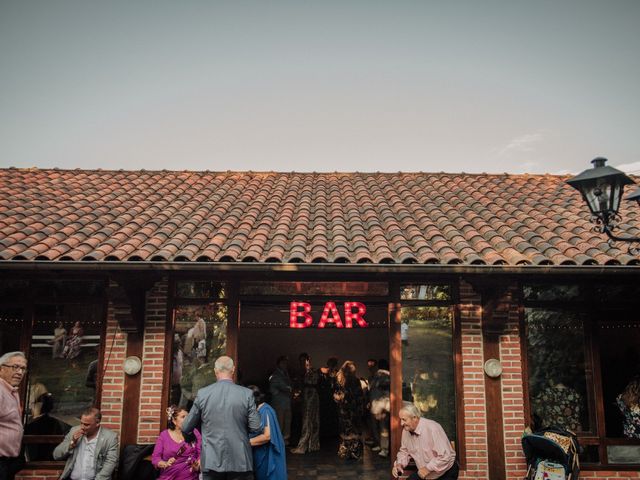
475 424
115 349
151 419
512 395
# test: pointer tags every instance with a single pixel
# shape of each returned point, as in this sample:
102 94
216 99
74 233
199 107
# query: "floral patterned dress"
310 437
631 420
561 406
350 400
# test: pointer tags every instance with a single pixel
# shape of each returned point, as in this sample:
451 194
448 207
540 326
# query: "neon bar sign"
300 315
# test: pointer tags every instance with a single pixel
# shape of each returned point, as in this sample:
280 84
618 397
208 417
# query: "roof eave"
328 268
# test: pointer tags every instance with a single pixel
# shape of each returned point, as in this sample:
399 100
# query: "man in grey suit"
91 451
225 413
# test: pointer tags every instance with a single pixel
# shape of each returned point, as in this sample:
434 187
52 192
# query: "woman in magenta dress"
177 458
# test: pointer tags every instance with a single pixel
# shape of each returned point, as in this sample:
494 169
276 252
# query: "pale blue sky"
474 86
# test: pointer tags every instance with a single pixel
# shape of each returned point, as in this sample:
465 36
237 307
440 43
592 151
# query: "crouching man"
91 451
427 444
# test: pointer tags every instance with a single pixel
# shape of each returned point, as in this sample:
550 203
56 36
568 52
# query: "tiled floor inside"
325 465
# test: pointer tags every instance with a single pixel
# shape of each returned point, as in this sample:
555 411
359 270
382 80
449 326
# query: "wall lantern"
602 188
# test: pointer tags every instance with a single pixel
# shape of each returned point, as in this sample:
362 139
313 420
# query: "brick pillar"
513 395
151 419
475 423
115 349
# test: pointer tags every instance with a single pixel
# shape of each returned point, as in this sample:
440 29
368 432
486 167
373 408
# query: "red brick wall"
113 381
606 475
512 395
153 374
475 423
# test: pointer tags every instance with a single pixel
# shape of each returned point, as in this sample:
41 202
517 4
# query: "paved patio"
325 465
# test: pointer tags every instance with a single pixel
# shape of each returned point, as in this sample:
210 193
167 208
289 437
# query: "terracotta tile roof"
73 215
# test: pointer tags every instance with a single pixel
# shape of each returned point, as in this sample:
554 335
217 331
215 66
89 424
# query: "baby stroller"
552 454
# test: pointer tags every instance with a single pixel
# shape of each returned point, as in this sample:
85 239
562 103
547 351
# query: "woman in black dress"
350 399
310 437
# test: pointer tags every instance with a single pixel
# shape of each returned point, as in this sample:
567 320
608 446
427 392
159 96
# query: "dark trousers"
211 475
9 466
451 474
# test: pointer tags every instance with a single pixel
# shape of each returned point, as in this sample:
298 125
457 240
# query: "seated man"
426 443
91 451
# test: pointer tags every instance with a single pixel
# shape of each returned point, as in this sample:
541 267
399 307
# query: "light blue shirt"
85 465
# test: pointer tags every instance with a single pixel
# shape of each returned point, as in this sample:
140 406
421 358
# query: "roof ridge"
277 172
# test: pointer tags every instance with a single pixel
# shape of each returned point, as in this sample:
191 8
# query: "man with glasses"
13 366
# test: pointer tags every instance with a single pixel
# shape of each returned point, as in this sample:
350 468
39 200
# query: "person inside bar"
350 399
310 437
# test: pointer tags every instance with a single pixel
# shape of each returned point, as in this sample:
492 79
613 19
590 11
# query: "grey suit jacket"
106 455
225 413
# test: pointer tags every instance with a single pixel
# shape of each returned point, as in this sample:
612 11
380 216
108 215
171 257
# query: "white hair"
224 364
411 409
4 358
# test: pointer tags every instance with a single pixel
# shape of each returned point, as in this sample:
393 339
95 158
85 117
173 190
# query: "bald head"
224 367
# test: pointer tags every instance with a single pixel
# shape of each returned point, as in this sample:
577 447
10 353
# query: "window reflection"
428 365
63 359
425 292
557 374
545 292
46 422
200 336
63 365
201 289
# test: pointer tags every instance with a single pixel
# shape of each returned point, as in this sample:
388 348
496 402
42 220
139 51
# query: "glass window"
63 369
546 293
623 454
201 289
557 375
620 363
200 336
425 292
428 363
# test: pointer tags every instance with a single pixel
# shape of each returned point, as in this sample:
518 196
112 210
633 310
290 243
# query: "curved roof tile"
355 217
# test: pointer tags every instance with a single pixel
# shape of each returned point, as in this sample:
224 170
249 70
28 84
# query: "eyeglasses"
15 368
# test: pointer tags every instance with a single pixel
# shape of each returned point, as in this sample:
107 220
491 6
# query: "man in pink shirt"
424 441
13 366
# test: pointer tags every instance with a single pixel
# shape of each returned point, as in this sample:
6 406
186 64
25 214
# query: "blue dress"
270 460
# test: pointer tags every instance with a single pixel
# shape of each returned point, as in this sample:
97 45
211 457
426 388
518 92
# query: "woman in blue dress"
269 455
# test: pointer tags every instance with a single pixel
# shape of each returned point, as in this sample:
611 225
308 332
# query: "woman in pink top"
177 458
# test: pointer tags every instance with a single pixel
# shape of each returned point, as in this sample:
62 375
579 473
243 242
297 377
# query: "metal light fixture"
602 188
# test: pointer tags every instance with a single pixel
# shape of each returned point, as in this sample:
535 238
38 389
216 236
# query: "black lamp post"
602 188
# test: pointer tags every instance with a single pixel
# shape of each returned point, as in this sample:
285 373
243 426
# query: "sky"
335 85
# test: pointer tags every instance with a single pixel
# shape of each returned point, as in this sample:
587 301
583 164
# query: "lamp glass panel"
616 195
593 201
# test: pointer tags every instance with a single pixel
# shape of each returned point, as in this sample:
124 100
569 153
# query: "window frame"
453 304
173 302
28 303
588 305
